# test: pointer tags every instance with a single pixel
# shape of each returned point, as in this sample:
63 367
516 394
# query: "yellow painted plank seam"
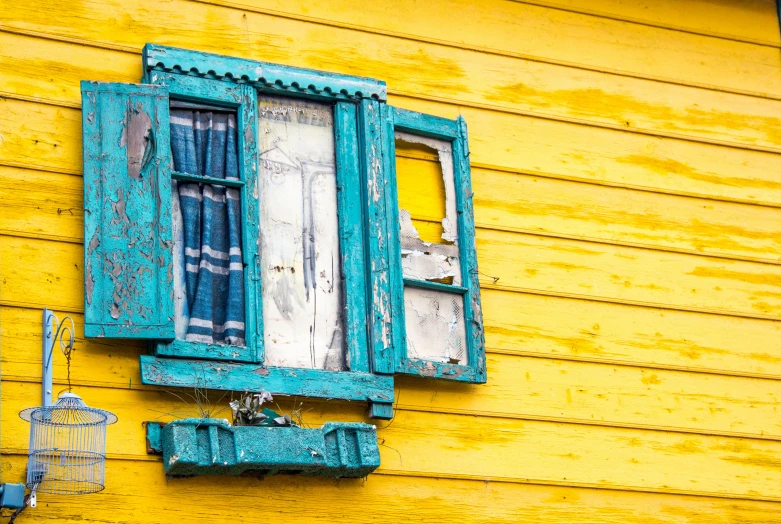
647 23
485 284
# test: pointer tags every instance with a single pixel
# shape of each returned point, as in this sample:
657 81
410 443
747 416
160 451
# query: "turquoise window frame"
455 132
368 216
236 83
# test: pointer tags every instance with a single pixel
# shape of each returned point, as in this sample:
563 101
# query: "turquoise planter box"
210 446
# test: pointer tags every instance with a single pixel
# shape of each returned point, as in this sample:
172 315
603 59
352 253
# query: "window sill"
318 383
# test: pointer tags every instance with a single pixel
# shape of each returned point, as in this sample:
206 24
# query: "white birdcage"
67 453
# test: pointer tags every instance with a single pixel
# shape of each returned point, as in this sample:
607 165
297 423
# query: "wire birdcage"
67 453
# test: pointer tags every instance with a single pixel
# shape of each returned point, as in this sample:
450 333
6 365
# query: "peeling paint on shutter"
127 211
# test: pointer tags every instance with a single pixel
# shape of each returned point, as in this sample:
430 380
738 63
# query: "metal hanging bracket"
53 331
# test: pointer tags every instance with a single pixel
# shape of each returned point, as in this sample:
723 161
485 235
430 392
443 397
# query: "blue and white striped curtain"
208 265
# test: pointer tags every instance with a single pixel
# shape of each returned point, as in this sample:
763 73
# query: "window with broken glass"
244 217
433 259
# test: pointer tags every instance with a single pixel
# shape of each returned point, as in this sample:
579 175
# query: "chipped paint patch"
137 136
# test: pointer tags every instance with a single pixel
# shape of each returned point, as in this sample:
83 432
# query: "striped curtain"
208 263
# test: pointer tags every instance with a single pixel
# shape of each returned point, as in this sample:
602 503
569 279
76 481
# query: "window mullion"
351 242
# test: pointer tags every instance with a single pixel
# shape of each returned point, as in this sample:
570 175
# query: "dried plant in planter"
248 410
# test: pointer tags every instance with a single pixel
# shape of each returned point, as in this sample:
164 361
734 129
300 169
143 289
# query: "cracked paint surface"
299 236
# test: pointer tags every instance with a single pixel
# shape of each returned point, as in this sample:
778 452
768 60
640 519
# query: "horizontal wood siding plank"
137 492
486 447
620 396
41 204
622 274
40 136
507 83
96 362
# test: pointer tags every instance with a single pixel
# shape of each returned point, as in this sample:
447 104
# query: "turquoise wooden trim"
127 211
350 212
164 331
436 286
381 410
201 350
374 183
455 131
250 159
399 335
468 250
197 89
423 124
431 369
244 99
265 76
345 385
186 177
209 446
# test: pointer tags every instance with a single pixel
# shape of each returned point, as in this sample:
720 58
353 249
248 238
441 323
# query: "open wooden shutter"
434 286
127 212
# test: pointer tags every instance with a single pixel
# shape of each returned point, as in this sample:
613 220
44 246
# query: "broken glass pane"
428 164
435 325
299 236
428 227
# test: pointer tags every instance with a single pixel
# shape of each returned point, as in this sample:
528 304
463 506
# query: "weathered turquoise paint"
197 89
127 212
351 242
381 410
202 350
424 125
186 177
455 132
395 273
213 447
374 183
436 286
211 91
468 250
268 78
228 376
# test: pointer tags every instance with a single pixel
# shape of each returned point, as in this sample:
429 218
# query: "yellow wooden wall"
626 161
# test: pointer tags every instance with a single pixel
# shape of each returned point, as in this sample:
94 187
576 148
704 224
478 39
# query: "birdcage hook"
63 333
